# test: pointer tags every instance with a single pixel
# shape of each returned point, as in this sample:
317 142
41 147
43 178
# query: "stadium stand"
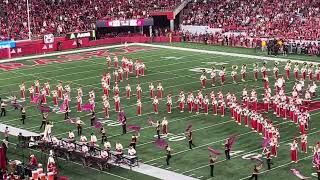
62 16
268 18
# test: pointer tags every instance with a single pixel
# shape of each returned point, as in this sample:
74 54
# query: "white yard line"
224 53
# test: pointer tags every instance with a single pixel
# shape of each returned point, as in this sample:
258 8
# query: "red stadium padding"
38 47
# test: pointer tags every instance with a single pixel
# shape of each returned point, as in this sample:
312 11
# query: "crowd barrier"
33 47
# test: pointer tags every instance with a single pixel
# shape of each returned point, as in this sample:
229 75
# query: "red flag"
161 143
231 140
214 151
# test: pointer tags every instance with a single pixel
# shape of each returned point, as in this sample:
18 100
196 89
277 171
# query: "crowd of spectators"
62 16
240 40
288 19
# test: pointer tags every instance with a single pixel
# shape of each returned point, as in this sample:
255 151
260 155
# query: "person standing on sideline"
23 114
212 160
3 109
168 152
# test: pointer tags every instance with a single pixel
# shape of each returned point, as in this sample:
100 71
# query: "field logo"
109 122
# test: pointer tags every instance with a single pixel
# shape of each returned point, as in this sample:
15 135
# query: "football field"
177 69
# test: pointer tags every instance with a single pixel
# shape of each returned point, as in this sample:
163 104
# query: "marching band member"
310 72
117 103
203 79
115 75
294 151
155 104
128 91
107 146
126 71
151 90
60 90
70 136
160 91
196 104
137 68
47 88
106 106
108 78
222 108
168 152
108 62
79 91
139 107
214 104
106 88
164 124
222 75
37 86
120 73
119 151
234 74
55 98
132 151
243 72
93 140
169 103
276 70
296 71
130 65
264 71
104 154
206 105
287 68
181 101
139 91
255 71
304 71
116 62
79 104
22 91
43 96
83 139
317 73
190 102
67 89
143 68
79 124
304 142
213 76
31 93
134 139
189 137
116 89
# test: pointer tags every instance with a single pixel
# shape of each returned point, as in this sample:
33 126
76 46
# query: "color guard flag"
98 124
231 140
214 151
62 108
87 107
265 143
16 104
298 174
72 120
161 143
36 99
45 109
134 128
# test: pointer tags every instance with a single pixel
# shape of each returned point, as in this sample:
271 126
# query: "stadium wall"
39 47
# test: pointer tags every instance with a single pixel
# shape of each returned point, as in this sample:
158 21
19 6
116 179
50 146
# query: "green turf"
175 75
